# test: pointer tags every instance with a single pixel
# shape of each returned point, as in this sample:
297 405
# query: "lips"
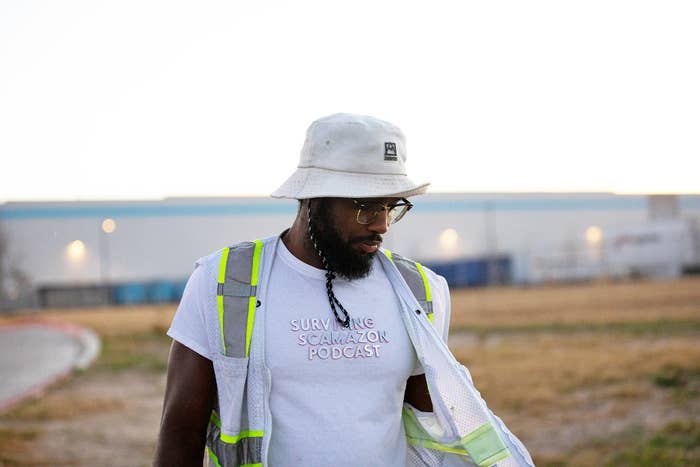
369 246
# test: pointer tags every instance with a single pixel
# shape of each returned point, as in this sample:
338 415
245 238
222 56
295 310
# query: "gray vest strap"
415 278
236 292
245 451
236 303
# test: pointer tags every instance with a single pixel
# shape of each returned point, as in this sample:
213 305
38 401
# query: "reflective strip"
213 457
417 436
428 294
214 418
417 281
220 297
388 254
246 450
237 295
430 444
252 302
243 434
484 445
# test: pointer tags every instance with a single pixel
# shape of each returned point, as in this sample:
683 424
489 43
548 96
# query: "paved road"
33 355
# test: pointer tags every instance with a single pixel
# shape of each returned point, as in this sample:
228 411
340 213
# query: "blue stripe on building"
18 211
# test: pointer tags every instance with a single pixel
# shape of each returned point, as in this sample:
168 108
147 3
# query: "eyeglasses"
367 212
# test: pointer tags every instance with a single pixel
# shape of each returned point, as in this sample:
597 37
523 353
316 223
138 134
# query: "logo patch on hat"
390 152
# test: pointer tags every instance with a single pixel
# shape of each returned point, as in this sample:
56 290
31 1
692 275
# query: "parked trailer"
474 272
128 293
657 249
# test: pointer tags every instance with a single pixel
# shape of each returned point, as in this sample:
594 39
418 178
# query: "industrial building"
60 253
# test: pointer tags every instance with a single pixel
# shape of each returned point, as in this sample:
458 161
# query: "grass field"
586 375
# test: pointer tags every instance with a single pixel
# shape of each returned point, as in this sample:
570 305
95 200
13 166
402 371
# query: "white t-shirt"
336 393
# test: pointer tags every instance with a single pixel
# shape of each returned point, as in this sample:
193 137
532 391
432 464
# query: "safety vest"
460 430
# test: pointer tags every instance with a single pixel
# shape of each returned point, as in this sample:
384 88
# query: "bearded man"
318 347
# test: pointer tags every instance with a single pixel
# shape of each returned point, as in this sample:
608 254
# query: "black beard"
341 258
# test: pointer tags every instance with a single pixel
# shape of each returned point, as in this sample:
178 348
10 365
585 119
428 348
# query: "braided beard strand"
330 275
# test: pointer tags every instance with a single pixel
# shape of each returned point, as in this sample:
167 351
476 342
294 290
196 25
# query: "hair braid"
330 275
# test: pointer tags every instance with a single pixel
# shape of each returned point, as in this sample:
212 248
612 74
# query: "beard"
340 256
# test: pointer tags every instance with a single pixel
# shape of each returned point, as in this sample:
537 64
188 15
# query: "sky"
151 99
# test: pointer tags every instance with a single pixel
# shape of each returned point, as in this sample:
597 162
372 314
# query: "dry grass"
541 372
15 440
586 374
596 303
108 321
64 406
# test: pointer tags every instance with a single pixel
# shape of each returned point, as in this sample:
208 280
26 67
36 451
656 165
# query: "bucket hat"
351 156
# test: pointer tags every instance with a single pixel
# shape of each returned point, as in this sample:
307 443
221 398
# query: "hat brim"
312 182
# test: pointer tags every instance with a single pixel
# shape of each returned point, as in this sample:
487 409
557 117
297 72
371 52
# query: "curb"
90 349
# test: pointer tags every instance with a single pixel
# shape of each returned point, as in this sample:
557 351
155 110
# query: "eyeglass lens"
368 213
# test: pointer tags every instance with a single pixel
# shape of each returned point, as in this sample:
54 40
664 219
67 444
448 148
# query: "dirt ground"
586 374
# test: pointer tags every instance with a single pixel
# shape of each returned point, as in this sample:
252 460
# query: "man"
316 369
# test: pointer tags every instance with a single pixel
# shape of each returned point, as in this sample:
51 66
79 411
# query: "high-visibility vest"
462 431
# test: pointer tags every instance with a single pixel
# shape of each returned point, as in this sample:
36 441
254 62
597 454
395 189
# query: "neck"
297 241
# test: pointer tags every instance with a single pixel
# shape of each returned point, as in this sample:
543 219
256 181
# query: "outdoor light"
76 251
109 225
594 235
449 238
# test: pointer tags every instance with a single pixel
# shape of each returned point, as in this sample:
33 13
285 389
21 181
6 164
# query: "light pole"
108 227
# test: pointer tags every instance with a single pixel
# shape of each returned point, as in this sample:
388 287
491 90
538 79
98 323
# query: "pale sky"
150 99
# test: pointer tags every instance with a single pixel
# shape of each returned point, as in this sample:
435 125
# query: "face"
349 246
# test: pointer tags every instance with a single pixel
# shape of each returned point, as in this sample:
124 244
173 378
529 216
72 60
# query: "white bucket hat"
351 156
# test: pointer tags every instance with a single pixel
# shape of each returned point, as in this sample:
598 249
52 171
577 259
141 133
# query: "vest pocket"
231 376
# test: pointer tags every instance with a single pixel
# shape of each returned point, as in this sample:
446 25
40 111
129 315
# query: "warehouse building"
62 253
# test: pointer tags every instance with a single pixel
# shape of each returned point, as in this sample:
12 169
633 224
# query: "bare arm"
189 399
417 393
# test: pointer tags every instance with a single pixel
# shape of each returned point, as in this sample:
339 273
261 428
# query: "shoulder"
209 261
435 280
207 268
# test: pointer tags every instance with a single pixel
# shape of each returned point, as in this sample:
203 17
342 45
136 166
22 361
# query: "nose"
380 224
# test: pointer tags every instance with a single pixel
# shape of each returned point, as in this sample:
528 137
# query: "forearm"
189 399
179 446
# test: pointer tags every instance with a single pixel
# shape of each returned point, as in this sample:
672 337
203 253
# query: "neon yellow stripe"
417 436
214 418
213 457
433 445
251 465
220 298
252 301
256 262
222 265
484 445
428 295
243 434
387 253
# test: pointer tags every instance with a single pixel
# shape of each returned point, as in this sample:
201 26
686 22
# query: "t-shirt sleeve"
441 304
189 325
441 308
447 308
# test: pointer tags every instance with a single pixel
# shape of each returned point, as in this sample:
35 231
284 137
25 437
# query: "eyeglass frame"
386 207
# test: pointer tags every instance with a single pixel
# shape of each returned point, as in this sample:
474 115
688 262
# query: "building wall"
161 240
